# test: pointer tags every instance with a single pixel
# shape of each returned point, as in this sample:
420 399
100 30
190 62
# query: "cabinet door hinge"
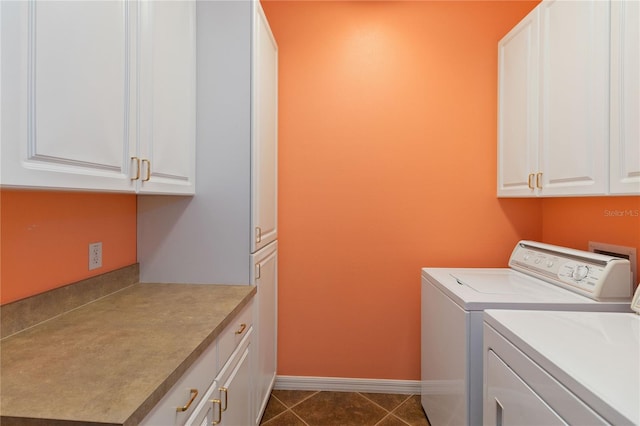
258 234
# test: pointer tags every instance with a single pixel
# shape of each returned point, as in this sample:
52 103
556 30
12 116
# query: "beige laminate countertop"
112 360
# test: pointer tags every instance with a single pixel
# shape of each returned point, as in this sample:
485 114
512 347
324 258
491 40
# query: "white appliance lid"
594 354
477 289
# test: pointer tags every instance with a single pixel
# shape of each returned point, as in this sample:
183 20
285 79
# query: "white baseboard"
345 384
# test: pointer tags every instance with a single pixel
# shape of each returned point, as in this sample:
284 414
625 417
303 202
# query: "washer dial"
580 272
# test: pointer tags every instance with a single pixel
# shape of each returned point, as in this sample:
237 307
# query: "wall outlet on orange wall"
95 255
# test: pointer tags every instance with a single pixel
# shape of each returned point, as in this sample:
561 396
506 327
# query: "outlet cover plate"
95 256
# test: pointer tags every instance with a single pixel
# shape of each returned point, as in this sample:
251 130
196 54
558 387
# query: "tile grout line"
272 419
299 402
388 411
374 403
406 421
390 415
301 419
277 415
289 408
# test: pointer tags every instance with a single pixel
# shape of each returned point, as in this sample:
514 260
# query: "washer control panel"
594 275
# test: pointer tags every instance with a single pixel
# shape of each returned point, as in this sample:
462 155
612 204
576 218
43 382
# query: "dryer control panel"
593 275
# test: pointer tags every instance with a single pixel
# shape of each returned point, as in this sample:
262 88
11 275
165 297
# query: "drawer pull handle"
148 170
242 328
194 394
530 181
137 161
214 402
539 180
225 391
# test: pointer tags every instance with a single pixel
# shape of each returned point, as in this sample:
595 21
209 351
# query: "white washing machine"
558 368
539 277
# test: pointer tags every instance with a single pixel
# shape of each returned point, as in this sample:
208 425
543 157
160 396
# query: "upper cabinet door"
518 108
625 98
574 97
99 95
66 94
167 102
264 133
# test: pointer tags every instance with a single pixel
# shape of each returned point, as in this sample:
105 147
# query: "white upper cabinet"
167 100
555 134
518 107
66 98
625 98
264 132
81 94
574 98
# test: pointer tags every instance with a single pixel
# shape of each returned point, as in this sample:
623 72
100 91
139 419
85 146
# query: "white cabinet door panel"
265 277
264 137
555 141
517 107
236 404
625 98
88 86
66 93
574 93
168 96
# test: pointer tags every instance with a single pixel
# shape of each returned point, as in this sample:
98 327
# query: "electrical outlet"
95 256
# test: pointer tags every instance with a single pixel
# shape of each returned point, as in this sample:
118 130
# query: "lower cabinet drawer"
232 335
227 402
184 396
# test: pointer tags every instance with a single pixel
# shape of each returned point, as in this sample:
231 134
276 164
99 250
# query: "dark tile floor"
312 408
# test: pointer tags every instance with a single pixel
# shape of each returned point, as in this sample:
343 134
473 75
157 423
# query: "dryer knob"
580 272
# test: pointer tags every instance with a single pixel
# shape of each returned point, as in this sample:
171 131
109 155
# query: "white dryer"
539 277
558 368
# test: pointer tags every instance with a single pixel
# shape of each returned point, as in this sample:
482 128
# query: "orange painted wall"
44 238
573 222
387 163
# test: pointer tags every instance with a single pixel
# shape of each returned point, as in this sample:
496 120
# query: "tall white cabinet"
227 232
98 96
566 94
